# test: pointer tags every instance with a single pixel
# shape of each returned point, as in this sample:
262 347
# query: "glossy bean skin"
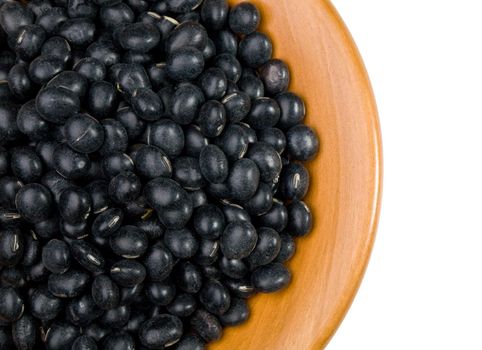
105 292
238 240
129 242
276 77
206 325
243 179
215 297
300 219
255 49
213 164
57 104
84 342
56 256
183 305
160 331
107 222
24 332
61 336
237 314
82 311
128 273
303 143
69 284
267 248
44 305
244 18
87 256
12 307
271 278
34 202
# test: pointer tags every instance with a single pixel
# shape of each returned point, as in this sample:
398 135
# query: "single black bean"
294 182
233 212
182 243
208 221
276 217
11 247
57 104
74 205
24 332
267 248
213 164
207 253
26 164
271 278
56 256
13 277
186 102
229 65
238 240
195 141
244 18
188 277
71 164
9 186
107 222
116 15
118 340
116 163
215 297
233 141
190 342
184 64
243 179
151 227
147 104
160 293
274 137
167 135
255 49
115 137
300 219
105 292
84 342
117 317
129 242
98 191
79 32
91 69
82 311
124 187
183 305
187 34
261 202
265 112
34 202
251 85
134 125
61 335
12 306
292 110
161 331
237 314
69 284
102 99
19 82
187 172
81 8
87 256
206 325
44 305
140 37
303 143
57 46
214 13
96 331
128 273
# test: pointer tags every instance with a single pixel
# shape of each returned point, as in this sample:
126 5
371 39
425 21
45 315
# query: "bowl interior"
344 196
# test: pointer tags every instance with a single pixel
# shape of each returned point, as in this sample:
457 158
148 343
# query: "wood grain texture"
346 181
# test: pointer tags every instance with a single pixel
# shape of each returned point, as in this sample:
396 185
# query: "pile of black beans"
150 172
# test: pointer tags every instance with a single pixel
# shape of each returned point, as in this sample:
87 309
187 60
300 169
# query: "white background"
423 287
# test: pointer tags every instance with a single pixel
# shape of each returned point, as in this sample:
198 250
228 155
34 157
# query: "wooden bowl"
345 181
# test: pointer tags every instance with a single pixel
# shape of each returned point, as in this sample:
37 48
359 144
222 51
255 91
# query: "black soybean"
151 175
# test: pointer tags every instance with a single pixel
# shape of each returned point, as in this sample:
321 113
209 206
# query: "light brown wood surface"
346 179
